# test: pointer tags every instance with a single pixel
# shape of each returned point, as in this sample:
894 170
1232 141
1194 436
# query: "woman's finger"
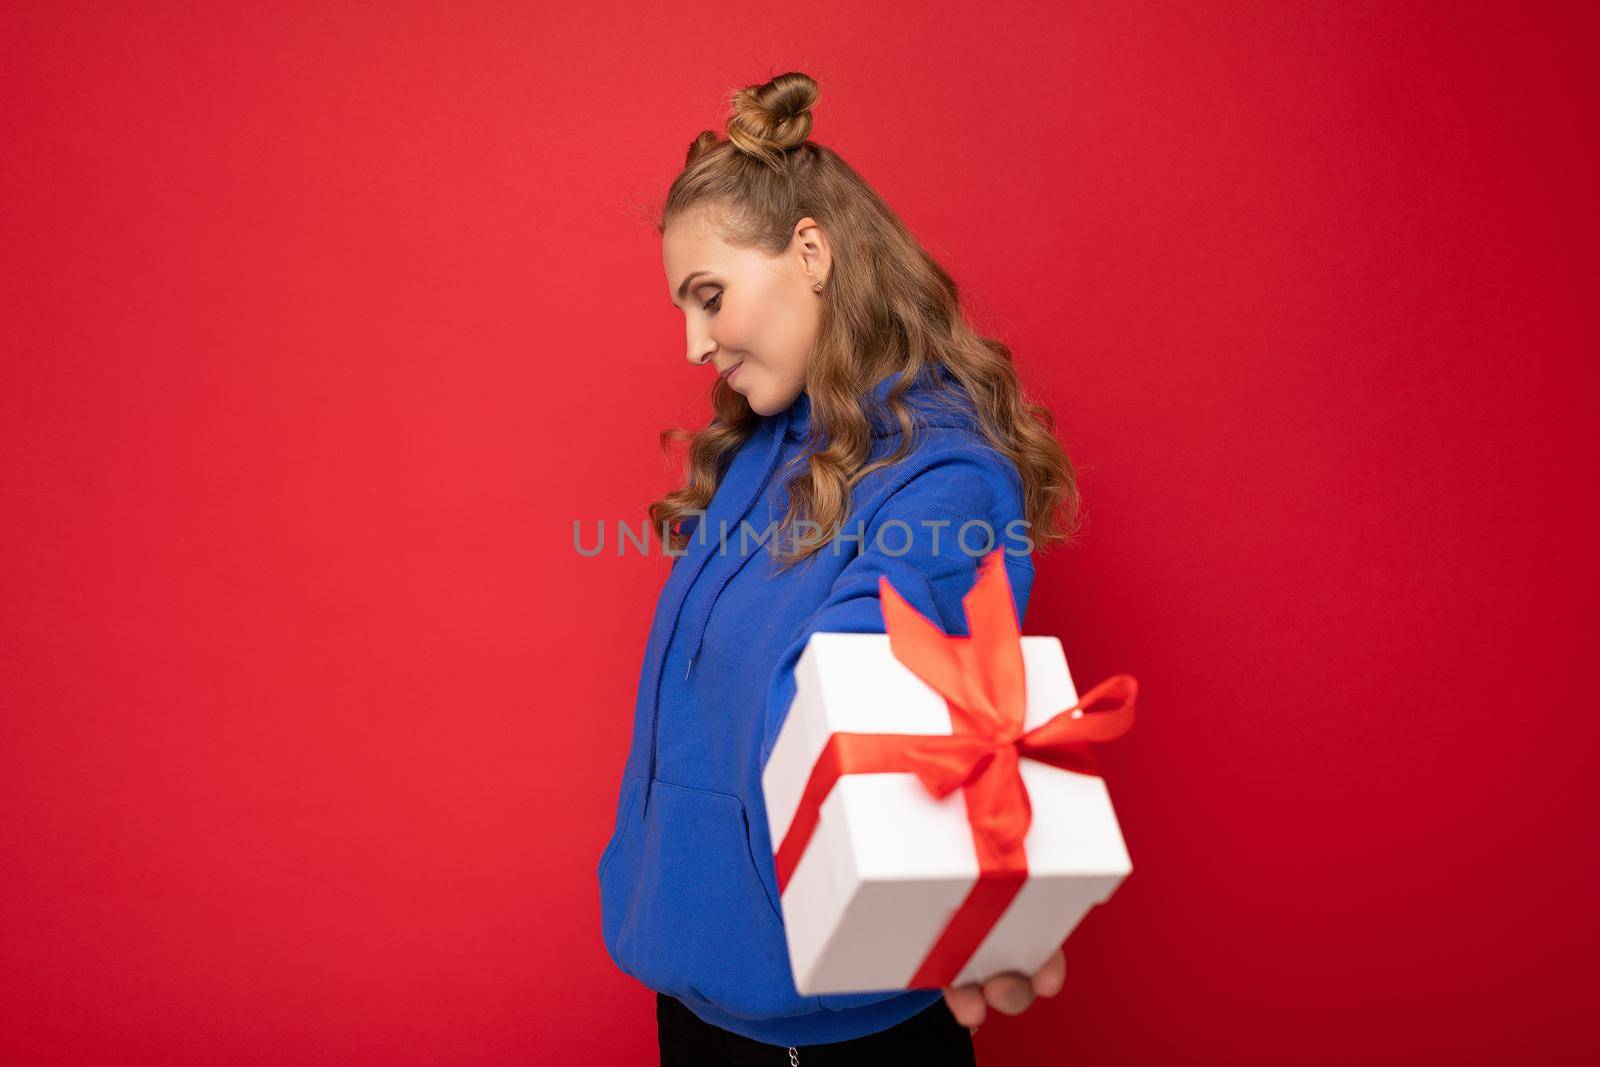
1049 979
1010 992
966 1004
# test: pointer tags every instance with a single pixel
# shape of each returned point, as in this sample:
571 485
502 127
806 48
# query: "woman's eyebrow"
683 286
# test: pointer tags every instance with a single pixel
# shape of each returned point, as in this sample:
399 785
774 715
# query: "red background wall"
322 326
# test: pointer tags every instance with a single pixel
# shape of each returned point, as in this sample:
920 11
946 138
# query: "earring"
816 287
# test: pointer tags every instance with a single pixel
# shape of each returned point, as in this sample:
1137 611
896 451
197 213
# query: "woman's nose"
700 348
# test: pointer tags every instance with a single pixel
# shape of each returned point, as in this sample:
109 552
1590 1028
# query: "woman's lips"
729 376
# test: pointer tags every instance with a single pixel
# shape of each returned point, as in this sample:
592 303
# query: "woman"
854 402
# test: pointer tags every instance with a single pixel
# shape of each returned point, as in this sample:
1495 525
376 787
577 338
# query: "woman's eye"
714 303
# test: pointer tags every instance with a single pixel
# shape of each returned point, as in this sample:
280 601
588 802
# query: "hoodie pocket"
685 912
630 793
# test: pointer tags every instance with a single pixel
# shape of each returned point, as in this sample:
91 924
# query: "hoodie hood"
936 399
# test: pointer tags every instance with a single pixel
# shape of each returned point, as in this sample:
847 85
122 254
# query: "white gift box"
888 863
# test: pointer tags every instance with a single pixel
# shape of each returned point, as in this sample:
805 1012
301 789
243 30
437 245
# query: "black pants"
931 1037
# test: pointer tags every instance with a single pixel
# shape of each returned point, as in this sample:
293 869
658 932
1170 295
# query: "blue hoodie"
688 890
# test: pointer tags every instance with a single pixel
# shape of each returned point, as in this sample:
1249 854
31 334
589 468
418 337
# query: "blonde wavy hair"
888 307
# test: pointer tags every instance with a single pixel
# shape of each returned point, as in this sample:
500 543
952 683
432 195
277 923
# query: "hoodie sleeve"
913 539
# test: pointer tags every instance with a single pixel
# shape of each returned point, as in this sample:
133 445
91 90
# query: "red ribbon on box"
981 678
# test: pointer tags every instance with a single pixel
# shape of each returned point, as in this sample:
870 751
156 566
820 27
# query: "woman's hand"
1010 992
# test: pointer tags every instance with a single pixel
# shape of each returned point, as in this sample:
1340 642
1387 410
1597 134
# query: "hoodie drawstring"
711 601
780 431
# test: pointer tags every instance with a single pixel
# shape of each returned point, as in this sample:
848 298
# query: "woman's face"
746 312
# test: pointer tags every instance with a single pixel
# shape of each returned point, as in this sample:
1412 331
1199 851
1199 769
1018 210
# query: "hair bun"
772 118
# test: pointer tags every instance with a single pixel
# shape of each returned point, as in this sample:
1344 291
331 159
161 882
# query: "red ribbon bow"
981 678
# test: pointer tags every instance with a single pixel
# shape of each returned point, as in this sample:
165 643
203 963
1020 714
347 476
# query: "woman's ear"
810 243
